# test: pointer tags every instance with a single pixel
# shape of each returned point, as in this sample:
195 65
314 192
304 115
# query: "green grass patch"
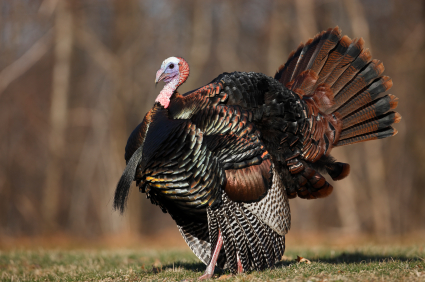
327 264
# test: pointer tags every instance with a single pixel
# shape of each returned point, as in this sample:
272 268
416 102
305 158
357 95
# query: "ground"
348 263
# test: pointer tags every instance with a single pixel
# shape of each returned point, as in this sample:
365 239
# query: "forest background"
76 77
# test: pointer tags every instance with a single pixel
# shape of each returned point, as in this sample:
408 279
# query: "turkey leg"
210 268
240 267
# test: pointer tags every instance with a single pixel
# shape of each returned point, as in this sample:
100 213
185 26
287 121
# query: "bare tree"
77 76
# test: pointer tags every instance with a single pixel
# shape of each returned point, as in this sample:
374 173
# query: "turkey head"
174 71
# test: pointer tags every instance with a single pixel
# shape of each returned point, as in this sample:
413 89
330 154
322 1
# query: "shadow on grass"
359 257
353 258
342 258
192 266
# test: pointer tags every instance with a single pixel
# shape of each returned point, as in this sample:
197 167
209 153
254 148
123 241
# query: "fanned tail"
354 79
339 81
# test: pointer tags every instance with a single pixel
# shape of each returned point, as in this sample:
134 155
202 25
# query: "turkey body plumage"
224 159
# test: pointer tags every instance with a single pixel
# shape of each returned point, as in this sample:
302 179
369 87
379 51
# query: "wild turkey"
224 159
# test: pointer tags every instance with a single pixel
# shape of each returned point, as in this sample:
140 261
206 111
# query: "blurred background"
77 76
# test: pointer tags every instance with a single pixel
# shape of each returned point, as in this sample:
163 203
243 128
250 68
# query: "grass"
371 263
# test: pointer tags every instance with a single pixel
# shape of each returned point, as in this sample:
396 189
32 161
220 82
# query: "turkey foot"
209 272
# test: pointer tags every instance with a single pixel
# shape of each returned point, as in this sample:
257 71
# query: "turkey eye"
171 66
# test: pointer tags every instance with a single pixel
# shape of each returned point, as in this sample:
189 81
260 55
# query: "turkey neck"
166 92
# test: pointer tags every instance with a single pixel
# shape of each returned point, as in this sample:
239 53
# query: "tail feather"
370 111
299 60
309 56
371 125
387 132
379 86
358 83
326 44
351 54
285 72
346 67
340 82
357 65
307 52
306 76
334 59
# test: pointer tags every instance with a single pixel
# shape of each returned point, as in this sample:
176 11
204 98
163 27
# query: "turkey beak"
160 75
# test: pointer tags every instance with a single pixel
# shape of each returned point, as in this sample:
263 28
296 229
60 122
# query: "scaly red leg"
240 267
210 268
